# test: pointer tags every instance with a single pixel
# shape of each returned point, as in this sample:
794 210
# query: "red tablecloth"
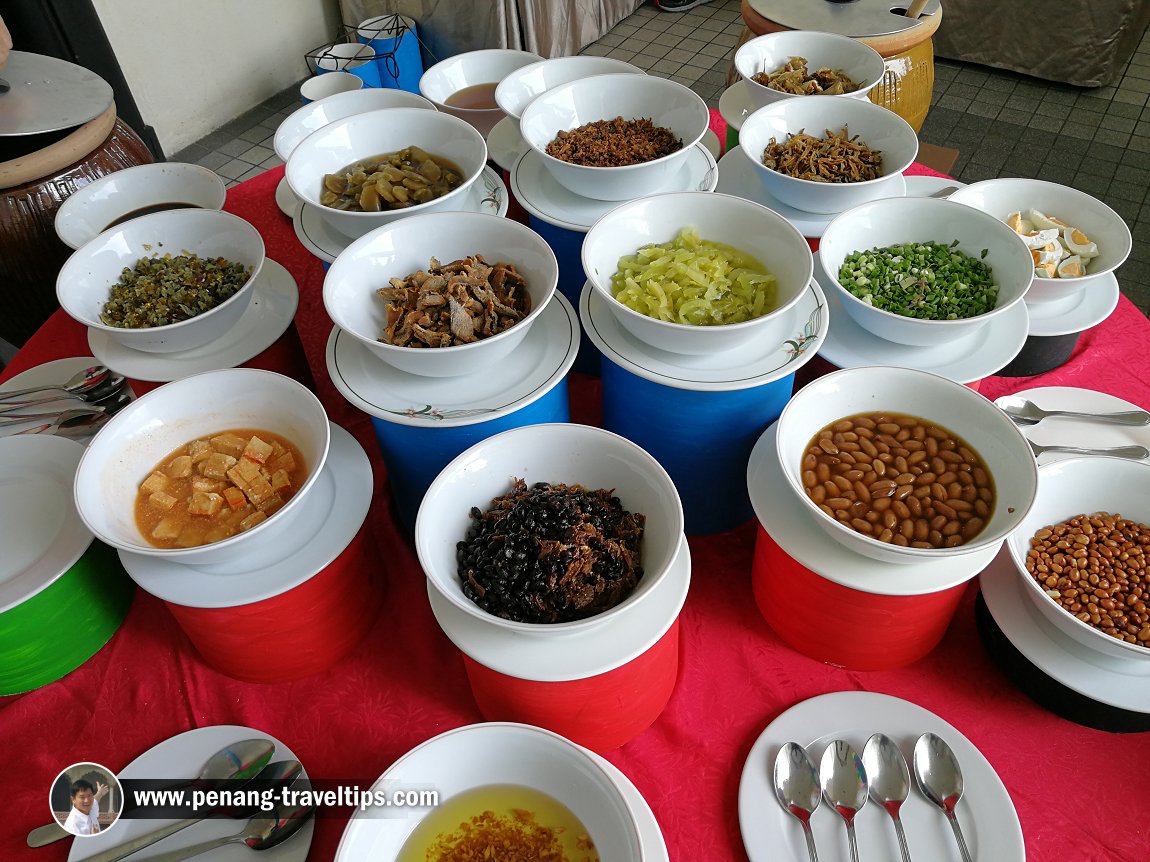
1081 794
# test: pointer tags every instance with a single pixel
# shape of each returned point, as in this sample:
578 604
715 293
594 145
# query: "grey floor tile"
213 161
1049 124
1111 136
1124 109
982 109
190 154
1118 124
247 175
234 148
992 97
256 154
253 136
234 169
1009 115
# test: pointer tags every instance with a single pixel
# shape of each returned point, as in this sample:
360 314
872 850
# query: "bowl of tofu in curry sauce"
205 471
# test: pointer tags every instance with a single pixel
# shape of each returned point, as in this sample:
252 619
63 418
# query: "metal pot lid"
859 18
47 94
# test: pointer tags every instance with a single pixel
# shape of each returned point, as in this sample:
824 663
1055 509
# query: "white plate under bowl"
487 195
985 811
181 757
650 835
575 655
1087 308
373 386
795 531
286 200
737 176
1100 677
755 363
275 298
335 510
736 104
56 371
504 143
978 355
538 192
1060 431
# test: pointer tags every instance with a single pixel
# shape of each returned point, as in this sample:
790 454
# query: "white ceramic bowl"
631 97
894 221
516 91
568 454
496 753
407 246
89 211
876 126
955 407
470 69
85 281
749 227
862 63
1070 487
135 440
1101 224
318 114
360 136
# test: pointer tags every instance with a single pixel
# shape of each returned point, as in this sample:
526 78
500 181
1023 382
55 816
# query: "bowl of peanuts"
904 466
1082 554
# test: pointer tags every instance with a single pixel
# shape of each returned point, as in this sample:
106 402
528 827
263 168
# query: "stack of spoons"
76 408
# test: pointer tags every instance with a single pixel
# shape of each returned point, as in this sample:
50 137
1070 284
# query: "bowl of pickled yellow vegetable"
697 272
369 169
166 282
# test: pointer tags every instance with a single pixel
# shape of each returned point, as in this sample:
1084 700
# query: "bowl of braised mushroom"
369 169
443 294
780 66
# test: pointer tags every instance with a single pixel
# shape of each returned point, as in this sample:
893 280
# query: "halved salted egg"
1044 222
1018 224
1049 253
1079 243
1072 267
1046 270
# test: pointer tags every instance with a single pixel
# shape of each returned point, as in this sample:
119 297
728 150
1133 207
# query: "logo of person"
86 799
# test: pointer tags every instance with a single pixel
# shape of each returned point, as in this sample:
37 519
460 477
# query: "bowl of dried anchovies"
442 295
166 282
549 529
828 155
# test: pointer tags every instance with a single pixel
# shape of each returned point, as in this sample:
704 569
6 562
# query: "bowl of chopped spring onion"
698 272
923 271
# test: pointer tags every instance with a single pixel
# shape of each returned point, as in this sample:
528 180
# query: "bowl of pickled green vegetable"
923 271
166 282
697 272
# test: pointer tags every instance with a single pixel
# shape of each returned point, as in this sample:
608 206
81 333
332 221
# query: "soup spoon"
889 779
1026 412
938 774
844 786
1135 453
798 790
262 832
239 760
59 417
102 390
77 384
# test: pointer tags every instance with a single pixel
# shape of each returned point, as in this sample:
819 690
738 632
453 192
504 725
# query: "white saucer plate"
505 144
373 386
275 298
1061 431
334 510
795 531
1092 305
286 200
180 757
650 835
737 176
56 371
924 186
1120 683
985 810
488 195
574 655
735 105
755 364
978 355
539 193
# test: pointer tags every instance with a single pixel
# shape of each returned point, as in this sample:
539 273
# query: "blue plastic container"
568 247
396 43
353 57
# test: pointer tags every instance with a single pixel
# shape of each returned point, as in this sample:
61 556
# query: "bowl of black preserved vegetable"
167 282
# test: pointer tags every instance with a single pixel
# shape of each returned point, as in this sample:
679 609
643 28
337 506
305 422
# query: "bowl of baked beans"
1082 554
615 137
904 466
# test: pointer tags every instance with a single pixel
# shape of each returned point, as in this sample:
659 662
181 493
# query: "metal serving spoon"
262 832
844 786
78 383
1134 452
889 778
940 779
58 417
798 789
1026 412
239 760
107 389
